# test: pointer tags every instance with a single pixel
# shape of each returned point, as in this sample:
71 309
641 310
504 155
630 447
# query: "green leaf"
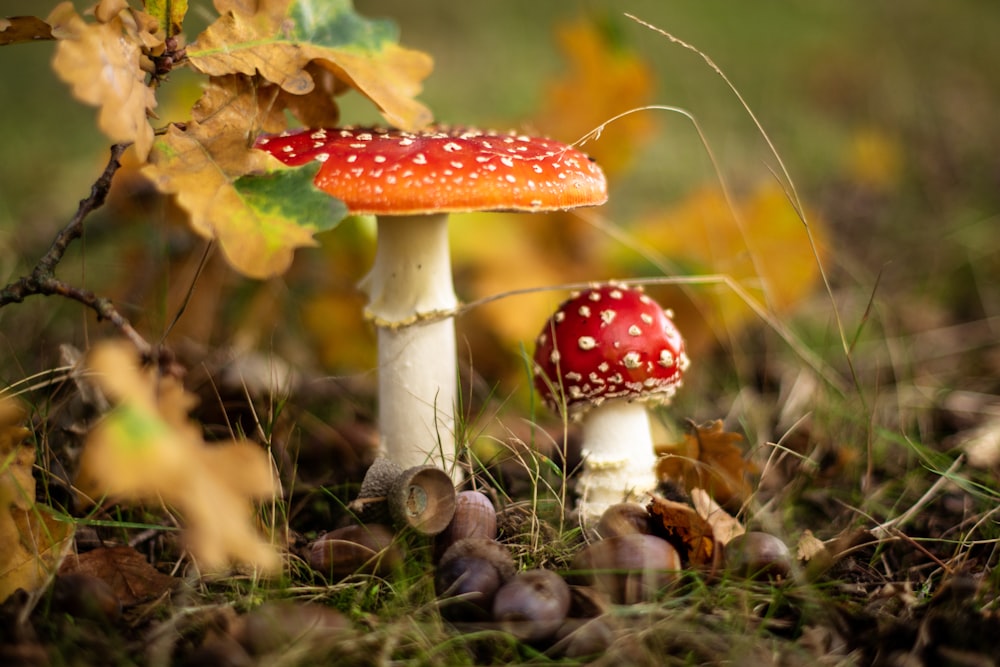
334 23
288 195
168 13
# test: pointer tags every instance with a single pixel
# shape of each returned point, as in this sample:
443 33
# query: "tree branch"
42 279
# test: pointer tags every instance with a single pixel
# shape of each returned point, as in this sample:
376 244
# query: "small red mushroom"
604 354
412 181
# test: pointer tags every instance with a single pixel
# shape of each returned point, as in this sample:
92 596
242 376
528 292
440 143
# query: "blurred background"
884 115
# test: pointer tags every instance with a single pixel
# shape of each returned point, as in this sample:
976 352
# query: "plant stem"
42 279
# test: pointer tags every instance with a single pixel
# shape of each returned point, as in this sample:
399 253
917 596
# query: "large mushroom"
411 182
603 356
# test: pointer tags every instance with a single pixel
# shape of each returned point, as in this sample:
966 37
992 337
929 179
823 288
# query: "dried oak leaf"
724 525
123 568
708 458
15 29
258 231
32 541
147 450
279 39
103 64
684 527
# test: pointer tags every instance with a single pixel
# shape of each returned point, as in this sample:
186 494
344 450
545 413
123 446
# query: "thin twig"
42 279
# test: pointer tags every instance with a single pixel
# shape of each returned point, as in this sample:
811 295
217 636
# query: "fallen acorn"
474 516
471 571
532 605
623 519
758 555
628 568
369 549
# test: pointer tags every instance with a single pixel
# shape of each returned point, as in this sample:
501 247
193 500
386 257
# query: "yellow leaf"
32 542
146 450
762 245
102 64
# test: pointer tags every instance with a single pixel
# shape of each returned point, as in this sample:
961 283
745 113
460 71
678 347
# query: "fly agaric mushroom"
411 182
606 353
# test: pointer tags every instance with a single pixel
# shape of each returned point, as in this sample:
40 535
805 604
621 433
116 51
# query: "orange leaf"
683 523
709 458
604 79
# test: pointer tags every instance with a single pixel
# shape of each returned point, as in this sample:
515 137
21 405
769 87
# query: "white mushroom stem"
411 300
618 458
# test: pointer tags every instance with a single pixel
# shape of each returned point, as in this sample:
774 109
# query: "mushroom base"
618 458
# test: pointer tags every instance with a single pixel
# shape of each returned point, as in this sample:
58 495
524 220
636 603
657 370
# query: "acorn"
474 516
371 505
623 519
422 499
532 605
583 637
353 549
758 555
472 570
628 568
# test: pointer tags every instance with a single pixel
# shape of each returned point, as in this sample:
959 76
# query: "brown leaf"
709 458
16 29
682 522
102 64
123 568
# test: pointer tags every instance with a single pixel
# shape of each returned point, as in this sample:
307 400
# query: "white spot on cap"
634 330
646 318
451 147
456 164
573 376
322 157
510 178
608 316
379 158
507 162
586 342
559 316
666 359
632 360
584 311
419 158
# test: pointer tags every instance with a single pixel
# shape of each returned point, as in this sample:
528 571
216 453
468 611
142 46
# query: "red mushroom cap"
610 341
446 170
